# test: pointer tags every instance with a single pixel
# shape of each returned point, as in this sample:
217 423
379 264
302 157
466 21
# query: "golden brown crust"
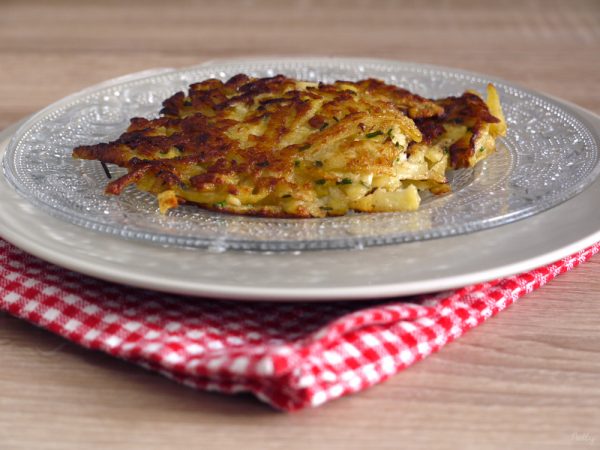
274 146
468 110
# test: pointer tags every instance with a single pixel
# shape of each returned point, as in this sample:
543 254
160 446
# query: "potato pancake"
280 147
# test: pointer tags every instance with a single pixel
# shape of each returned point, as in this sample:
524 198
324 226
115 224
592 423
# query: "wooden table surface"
528 378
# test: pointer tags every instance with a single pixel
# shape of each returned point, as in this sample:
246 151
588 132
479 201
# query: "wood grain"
528 378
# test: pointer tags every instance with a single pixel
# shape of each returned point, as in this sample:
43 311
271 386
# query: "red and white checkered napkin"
289 355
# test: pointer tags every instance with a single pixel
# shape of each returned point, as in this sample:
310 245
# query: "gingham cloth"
289 355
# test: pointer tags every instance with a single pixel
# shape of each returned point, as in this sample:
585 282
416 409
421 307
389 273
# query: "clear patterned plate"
548 156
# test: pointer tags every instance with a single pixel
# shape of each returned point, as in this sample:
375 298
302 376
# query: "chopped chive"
304 147
321 181
389 133
219 204
481 149
336 119
325 125
297 163
374 134
263 164
106 171
286 196
319 163
345 181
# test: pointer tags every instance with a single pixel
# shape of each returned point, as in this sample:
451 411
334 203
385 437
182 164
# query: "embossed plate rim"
290 245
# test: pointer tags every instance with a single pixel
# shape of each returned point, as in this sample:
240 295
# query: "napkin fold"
290 355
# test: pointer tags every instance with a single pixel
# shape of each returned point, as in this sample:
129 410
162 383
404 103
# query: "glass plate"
548 156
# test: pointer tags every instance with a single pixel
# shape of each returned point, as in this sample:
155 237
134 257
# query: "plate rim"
271 245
